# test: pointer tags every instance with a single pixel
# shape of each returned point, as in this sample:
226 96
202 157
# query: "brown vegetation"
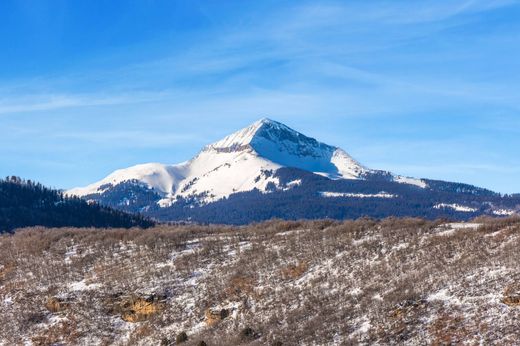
294 271
395 281
241 286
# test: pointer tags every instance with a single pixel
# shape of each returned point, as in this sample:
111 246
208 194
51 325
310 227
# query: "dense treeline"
306 202
25 203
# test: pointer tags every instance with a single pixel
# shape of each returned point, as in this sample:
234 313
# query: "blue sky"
421 88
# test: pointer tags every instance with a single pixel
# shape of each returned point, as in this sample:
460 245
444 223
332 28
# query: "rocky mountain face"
280 172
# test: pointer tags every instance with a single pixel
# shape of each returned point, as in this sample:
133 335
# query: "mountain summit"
270 170
286 147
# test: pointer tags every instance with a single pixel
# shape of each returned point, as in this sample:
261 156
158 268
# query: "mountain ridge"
268 166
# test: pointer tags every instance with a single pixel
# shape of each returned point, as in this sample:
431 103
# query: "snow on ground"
292 184
83 286
457 207
411 181
503 212
286 233
381 194
451 228
444 296
464 225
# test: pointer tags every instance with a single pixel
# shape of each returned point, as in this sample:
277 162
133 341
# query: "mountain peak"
267 122
279 144
262 130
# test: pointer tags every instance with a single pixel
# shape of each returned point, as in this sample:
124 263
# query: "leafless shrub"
394 281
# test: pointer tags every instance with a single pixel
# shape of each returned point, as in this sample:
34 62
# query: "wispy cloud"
32 103
133 139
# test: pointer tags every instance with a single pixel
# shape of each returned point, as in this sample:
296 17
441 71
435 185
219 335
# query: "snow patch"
503 212
381 194
363 328
293 183
410 181
82 286
451 228
456 207
443 296
356 291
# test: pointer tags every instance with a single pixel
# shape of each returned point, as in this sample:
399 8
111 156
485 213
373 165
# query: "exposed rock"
140 309
215 316
512 295
55 304
248 334
134 308
513 300
181 337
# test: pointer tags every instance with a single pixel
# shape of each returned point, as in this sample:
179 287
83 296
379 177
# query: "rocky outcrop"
135 308
54 304
512 296
214 316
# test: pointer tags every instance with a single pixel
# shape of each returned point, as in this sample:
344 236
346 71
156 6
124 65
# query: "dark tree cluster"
26 203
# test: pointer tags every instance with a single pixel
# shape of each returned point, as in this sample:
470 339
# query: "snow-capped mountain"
270 170
242 161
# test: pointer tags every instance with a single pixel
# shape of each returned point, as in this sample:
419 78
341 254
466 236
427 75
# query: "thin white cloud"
32 103
129 138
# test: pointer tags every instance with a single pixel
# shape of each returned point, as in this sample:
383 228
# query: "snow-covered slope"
242 161
154 175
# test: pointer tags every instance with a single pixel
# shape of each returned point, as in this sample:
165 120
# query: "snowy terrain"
242 161
364 282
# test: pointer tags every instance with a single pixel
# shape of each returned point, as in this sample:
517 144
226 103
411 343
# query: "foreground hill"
24 203
269 170
397 281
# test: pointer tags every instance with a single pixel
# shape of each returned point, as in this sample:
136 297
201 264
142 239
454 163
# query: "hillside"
25 203
269 170
396 281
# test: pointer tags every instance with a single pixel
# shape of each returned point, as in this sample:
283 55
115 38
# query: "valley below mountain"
394 281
